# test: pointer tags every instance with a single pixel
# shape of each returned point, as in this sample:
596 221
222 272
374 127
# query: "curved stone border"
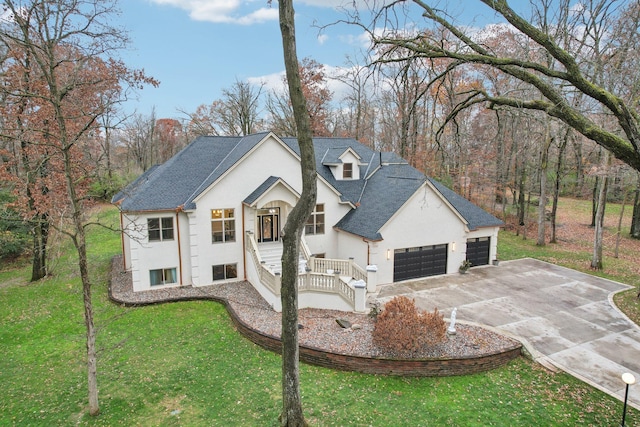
437 367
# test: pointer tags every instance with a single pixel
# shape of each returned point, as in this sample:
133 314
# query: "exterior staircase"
271 255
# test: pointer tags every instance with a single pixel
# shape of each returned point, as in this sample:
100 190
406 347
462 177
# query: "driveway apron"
565 318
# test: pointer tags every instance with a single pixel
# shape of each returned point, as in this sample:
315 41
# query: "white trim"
240 160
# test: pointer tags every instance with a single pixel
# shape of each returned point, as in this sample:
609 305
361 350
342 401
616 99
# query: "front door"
268 227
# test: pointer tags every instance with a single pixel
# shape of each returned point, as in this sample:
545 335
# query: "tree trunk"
92 363
79 241
635 216
619 230
40 240
292 415
594 201
522 204
596 260
558 181
542 203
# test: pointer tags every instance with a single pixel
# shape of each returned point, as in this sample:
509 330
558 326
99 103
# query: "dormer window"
347 171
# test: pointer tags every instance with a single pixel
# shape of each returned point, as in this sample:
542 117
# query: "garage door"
478 250
421 261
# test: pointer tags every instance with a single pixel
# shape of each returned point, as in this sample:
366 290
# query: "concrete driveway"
564 318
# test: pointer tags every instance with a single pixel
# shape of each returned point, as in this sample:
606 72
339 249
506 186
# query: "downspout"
179 245
244 246
124 255
368 251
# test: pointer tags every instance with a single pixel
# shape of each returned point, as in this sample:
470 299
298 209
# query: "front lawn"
183 364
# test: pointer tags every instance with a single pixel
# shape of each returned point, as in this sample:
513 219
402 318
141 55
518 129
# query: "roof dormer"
344 163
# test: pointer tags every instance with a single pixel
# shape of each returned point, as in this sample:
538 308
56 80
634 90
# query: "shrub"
14 232
405 330
12 244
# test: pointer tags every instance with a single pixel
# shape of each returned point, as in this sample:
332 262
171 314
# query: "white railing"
323 275
304 249
266 276
344 267
329 283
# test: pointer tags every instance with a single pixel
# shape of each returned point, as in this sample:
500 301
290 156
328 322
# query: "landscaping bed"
323 342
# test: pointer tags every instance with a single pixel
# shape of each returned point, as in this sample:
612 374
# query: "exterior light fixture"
628 380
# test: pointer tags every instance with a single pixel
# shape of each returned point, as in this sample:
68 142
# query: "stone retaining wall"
439 367
315 356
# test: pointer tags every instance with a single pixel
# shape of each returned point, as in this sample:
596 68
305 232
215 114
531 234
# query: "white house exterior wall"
327 243
229 193
425 219
491 232
145 255
352 246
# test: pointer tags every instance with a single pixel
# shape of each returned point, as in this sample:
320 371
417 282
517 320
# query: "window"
347 171
223 225
160 228
225 271
163 276
315 223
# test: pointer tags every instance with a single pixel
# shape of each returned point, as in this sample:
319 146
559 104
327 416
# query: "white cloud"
245 12
272 82
225 11
322 38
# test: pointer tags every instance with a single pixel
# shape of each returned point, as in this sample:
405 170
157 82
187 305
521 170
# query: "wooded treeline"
510 115
455 117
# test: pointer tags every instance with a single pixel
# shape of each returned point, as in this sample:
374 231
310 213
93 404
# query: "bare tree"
556 81
67 43
314 88
292 415
236 113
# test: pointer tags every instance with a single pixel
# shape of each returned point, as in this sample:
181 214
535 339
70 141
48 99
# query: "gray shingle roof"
475 216
262 188
385 192
380 192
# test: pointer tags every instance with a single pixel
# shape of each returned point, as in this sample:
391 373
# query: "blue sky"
195 52
196 48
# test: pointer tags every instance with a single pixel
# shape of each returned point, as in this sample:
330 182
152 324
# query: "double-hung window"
315 222
160 229
347 171
223 225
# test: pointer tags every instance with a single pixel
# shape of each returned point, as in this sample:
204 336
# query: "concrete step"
271 254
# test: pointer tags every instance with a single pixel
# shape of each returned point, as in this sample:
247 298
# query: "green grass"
183 364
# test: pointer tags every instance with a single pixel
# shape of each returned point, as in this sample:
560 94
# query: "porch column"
372 278
361 296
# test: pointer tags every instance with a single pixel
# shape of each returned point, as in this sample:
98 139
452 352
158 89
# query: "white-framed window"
225 271
315 222
223 225
347 171
160 229
163 276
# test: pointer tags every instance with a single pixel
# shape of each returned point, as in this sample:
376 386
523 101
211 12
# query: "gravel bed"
319 328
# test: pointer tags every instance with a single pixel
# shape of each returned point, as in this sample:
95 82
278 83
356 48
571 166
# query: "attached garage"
421 261
478 250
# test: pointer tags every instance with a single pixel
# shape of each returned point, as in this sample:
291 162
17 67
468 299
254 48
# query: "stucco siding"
327 243
228 193
154 255
424 220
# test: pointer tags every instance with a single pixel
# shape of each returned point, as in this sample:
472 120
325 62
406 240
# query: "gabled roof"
387 181
385 192
475 216
267 185
333 156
